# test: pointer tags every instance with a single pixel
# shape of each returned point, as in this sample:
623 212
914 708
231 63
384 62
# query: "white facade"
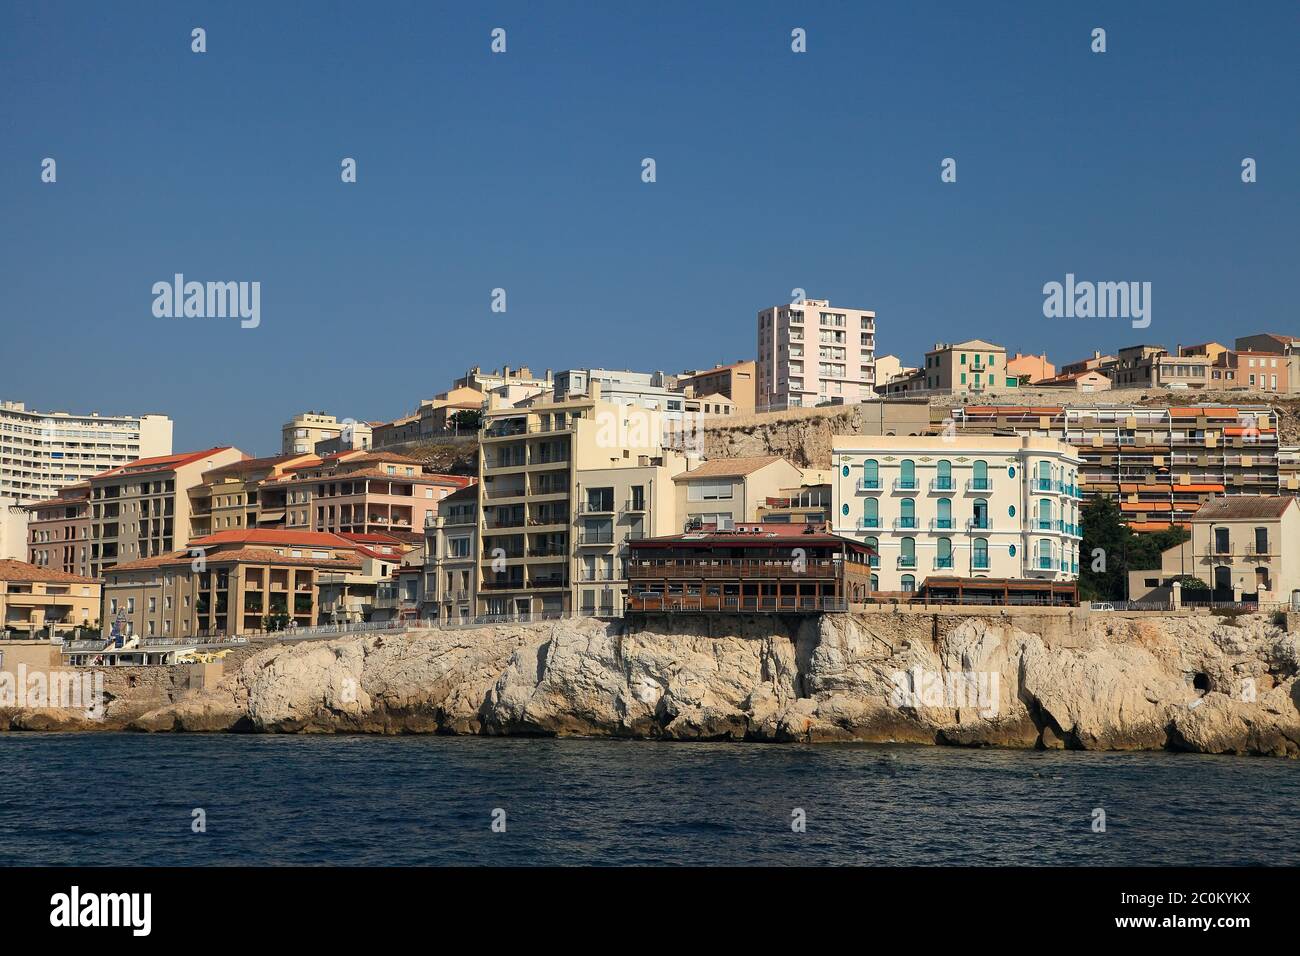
41 452
965 506
812 353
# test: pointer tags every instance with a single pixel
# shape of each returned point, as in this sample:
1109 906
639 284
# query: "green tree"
1114 549
467 420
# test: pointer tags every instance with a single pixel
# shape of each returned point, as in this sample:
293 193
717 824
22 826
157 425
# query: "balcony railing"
979 484
596 507
595 537
942 563
941 484
941 524
904 524
979 524
907 561
905 484
868 484
866 524
634 505
979 563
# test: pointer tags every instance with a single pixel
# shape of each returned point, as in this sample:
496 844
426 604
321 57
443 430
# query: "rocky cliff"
1190 683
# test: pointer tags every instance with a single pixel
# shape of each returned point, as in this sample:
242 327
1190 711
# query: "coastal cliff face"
1191 683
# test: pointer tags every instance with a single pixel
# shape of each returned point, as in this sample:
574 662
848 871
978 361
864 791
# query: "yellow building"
44 602
232 582
972 366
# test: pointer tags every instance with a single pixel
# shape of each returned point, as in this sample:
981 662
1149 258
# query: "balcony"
904 524
941 564
596 507
634 506
942 484
907 561
867 524
942 524
979 524
595 537
905 484
979 484
979 562
868 484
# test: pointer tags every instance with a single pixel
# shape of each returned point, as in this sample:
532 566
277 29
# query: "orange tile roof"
164 462
728 467
306 539
238 556
21 572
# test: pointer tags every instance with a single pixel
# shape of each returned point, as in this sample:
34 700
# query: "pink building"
811 353
367 493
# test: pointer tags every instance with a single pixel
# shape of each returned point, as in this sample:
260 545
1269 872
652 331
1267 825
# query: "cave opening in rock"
1201 682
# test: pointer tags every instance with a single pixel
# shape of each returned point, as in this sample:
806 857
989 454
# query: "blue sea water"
129 799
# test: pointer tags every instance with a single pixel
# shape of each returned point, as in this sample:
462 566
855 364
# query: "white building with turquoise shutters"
959 506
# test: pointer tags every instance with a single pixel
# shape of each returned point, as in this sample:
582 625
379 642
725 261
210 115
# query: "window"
1261 541
870 513
1045 554
943 557
943 476
907 513
710 490
907 474
1044 514
874 545
909 583
871 473
944 521
907 553
980 520
980 476
979 555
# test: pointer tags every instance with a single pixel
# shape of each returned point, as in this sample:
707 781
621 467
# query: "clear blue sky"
522 171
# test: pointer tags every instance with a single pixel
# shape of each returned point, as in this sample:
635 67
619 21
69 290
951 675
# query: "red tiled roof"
23 573
237 556
289 538
164 462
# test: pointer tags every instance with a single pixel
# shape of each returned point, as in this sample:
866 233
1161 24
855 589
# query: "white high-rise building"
41 452
810 353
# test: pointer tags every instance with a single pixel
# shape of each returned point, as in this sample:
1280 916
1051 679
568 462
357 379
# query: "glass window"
943 476
980 476
907 474
907 513
944 521
980 554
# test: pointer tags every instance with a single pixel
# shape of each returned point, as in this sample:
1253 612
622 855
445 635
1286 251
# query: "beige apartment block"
13 529
449 591
973 366
813 353
367 593
301 434
142 510
44 602
723 492
58 531
617 505
1141 366
1286 348
1104 364
959 506
243 581
530 459
737 381
244 494
41 452
1241 547
367 493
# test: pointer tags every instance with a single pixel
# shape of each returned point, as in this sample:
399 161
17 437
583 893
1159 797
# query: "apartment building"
1030 368
724 492
970 366
58 531
509 383
13 529
807 504
142 510
251 493
653 390
367 593
245 582
811 353
38 602
1245 547
1151 366
41 452
301 434
530 462
1159 464
1264 372
618 505
366 493
1105 364
1001 507
1288 469
737 381
449 591
1284 348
